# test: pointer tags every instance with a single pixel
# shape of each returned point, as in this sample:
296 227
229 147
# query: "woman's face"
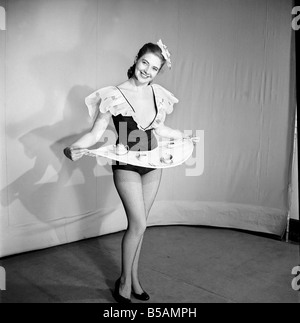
147 67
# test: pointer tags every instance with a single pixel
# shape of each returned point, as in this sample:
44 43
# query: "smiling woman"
147 67
138 109
142 64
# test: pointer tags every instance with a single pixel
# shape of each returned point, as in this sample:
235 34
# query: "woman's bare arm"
166 132
80 147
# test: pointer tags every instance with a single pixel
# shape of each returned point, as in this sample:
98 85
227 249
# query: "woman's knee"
138 228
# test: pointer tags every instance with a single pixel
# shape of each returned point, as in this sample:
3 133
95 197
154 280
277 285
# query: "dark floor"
179 264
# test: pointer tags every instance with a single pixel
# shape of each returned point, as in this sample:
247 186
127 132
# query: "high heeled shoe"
142 297
116 294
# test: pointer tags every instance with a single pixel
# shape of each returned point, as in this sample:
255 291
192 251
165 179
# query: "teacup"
167 159
120 149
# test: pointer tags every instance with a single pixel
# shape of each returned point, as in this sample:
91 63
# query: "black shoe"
116 294
142 297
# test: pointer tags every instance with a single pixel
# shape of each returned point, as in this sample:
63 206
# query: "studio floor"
179 264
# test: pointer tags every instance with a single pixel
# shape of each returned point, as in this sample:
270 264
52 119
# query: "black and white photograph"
149 154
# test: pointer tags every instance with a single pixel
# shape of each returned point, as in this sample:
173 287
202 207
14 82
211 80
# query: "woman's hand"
74 153
192 137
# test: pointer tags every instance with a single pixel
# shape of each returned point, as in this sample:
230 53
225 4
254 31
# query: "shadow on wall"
57 197
54 187
47 188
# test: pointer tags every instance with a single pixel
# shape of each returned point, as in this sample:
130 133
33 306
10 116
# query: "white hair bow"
165 52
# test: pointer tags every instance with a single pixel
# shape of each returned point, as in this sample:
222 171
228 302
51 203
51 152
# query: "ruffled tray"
167 154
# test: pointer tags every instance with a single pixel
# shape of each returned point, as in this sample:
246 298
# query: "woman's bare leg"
130 188
150 184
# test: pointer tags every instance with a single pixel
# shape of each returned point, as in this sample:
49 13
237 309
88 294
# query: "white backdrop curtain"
232 72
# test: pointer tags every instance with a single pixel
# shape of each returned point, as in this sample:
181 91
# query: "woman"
138 109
